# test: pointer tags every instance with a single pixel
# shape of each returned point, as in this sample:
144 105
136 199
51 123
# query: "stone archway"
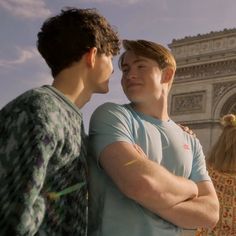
226 104
229 106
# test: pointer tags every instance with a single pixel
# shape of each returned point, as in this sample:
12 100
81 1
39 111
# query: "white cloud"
24 55
30 9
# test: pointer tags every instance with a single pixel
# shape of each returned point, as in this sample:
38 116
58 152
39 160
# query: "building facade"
204 88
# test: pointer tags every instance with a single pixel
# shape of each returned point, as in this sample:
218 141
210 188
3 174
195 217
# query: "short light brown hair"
223 154
151 50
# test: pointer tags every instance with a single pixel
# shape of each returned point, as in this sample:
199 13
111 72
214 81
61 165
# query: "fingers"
187 130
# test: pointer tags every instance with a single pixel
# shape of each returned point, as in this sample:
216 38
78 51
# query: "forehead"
130 58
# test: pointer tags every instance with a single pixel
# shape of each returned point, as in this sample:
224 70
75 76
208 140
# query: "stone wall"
204 88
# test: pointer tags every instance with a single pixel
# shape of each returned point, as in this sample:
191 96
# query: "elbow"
211 223
213 217
216 213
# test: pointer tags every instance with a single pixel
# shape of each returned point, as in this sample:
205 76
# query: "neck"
72 84
156 109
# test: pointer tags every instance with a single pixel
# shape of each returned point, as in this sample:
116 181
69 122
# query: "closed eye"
141 66
125 70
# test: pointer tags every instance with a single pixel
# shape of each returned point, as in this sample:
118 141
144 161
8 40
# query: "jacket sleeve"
26 145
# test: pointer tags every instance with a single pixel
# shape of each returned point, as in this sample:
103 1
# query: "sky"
22 68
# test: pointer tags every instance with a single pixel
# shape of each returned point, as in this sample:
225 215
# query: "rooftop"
204 36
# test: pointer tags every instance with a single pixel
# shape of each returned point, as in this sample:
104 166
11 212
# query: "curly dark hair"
66 37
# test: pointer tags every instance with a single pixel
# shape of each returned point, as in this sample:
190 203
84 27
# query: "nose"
131 74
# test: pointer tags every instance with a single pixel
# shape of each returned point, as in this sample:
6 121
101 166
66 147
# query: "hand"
187 130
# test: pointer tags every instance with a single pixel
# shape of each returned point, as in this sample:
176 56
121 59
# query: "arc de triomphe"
204 88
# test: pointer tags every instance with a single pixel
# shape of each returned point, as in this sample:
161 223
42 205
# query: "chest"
166 146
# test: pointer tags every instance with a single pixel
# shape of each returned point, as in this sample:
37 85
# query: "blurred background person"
222 169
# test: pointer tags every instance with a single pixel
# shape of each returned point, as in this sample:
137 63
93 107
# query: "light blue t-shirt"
111 213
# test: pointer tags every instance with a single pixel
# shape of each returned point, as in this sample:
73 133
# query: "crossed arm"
175 198
201 211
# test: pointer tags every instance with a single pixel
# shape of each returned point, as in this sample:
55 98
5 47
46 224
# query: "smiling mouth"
133 85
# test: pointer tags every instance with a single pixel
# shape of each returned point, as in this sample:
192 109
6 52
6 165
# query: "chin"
135 99
102 91
132 97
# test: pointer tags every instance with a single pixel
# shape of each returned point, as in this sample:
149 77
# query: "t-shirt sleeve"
25 149
109 123
199 171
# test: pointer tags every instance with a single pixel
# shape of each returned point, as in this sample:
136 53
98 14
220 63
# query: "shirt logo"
186 146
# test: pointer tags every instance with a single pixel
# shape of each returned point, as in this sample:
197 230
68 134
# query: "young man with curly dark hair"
43 168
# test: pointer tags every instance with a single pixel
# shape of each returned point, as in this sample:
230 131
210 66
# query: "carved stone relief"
188 103
204 47
206 71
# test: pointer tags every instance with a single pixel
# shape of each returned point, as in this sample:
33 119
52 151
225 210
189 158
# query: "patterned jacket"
43 171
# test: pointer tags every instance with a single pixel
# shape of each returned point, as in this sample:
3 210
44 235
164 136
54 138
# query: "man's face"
103 70
141 78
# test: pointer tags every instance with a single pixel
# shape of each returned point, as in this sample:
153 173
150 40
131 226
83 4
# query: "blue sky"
21 67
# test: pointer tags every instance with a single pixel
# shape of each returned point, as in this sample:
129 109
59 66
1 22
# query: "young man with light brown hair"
148 176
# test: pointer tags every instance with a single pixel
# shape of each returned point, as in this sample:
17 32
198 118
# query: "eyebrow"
134 62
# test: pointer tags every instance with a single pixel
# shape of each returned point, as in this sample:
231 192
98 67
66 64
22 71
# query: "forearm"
202 211
160 189
145 181
192 214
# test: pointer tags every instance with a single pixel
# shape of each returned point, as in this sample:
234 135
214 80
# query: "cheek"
106 67
110 66
155 79
122 82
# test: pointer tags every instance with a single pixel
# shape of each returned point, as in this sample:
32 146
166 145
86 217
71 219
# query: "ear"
91 57
167 75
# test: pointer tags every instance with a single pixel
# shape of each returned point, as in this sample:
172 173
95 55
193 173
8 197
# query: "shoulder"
109 123
109 110
32 106
26 119
111 107
37 98
41 98
178 130
111 118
